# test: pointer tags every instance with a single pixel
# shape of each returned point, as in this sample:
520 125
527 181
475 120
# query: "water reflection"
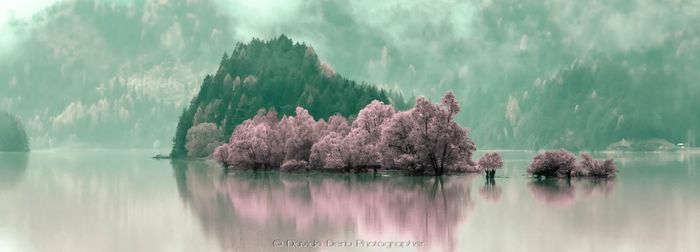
247 210
13 166
562 192
490 191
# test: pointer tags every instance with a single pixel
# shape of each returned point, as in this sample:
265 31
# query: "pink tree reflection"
553 191
564 192
244 206
490 191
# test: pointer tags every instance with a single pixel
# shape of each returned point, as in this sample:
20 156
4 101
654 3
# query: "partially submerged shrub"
596 168
562 163
559 163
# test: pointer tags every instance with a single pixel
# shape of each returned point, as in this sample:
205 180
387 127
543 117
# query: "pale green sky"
19 10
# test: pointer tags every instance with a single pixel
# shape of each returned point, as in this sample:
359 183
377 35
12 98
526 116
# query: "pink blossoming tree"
427 138
596 168
490 162
559 163
563 164
423 139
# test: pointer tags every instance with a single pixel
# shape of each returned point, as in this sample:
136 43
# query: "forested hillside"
274 75
593 104
524 70
109 74
13 138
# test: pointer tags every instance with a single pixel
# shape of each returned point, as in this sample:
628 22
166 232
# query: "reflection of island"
563 191
490 191
247 210
12 169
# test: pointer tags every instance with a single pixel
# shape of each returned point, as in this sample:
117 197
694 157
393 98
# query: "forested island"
277 75
275 105
422 140
13 137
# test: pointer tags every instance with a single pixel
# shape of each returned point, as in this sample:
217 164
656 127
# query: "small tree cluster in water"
424 139
562 163
490 162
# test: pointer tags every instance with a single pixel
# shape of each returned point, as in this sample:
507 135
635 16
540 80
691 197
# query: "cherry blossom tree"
435 141
596 168
398 148
372 118
563 164
322 149
222 155
490 162
257 143
360 148
301 137
202 139
338 124
559 163
425 138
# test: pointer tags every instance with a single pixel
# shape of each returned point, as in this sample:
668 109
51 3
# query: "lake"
106 200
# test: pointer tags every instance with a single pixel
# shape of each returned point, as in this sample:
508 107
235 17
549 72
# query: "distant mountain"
13 138
106 73
277 74
119 72
593 104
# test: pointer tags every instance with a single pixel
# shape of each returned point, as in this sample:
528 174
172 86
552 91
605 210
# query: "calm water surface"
93 200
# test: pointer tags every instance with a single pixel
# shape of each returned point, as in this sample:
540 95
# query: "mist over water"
122 200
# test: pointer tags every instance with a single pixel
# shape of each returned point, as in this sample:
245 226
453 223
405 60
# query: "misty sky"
491 53
396 29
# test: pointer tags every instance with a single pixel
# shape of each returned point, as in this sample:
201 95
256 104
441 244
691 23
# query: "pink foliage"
338 124
596 168
302 136
221 154
398 149
427 138
294 165
563 164
423 138
491 161
322 149
372 118
559 163
257 143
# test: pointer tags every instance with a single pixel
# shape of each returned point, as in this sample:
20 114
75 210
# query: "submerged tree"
425 138
596 168
490 162
221 154
563 164
559 163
